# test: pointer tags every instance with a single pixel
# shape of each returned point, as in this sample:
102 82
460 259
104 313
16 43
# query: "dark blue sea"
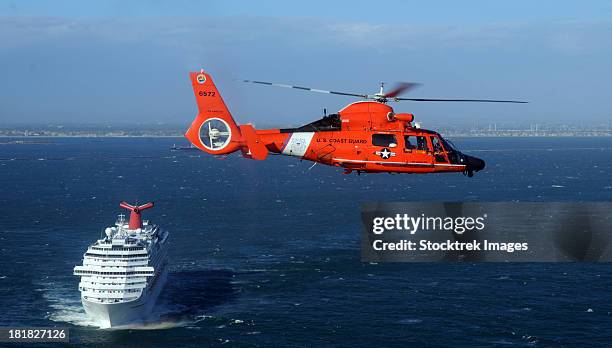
268 253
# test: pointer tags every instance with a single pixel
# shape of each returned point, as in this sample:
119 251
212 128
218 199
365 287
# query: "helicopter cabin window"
384 140
409 143
421 144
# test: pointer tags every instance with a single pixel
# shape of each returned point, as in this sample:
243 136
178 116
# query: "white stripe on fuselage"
298 144
399 163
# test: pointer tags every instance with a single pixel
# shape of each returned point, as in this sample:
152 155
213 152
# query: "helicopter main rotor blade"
401 88
461 100
305 88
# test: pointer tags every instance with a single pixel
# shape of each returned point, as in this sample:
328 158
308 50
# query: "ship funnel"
135 220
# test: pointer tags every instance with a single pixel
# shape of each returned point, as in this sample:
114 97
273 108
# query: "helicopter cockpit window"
384 140
454 156
447 145
438 149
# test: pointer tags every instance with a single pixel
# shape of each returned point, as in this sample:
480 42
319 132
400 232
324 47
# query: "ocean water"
267 253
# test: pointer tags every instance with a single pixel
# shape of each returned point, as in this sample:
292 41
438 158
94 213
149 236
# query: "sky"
108 62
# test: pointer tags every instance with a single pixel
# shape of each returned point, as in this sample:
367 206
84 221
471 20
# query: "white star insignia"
385 154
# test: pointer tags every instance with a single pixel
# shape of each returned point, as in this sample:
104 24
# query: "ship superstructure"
124 272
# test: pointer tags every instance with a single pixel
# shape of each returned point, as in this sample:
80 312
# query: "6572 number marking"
206 94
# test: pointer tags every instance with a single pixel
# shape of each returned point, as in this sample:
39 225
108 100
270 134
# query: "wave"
64 303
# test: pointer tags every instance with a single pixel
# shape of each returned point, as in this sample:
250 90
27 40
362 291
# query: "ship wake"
188 298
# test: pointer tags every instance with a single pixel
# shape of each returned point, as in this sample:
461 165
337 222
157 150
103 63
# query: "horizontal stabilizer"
255 148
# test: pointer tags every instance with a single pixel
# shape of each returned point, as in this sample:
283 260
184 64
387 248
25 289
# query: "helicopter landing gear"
469 173
349 171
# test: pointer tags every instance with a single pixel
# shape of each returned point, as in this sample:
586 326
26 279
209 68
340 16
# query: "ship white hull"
108 315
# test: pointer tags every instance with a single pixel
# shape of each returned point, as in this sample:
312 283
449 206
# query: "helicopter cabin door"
385 149
417 151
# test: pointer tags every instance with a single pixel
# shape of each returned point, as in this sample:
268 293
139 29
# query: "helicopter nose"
474 164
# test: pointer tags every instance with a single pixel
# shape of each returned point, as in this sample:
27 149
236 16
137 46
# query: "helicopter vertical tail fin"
214 129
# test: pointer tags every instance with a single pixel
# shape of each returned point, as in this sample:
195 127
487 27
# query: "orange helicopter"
366 136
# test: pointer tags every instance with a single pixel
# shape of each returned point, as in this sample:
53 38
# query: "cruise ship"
124 272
